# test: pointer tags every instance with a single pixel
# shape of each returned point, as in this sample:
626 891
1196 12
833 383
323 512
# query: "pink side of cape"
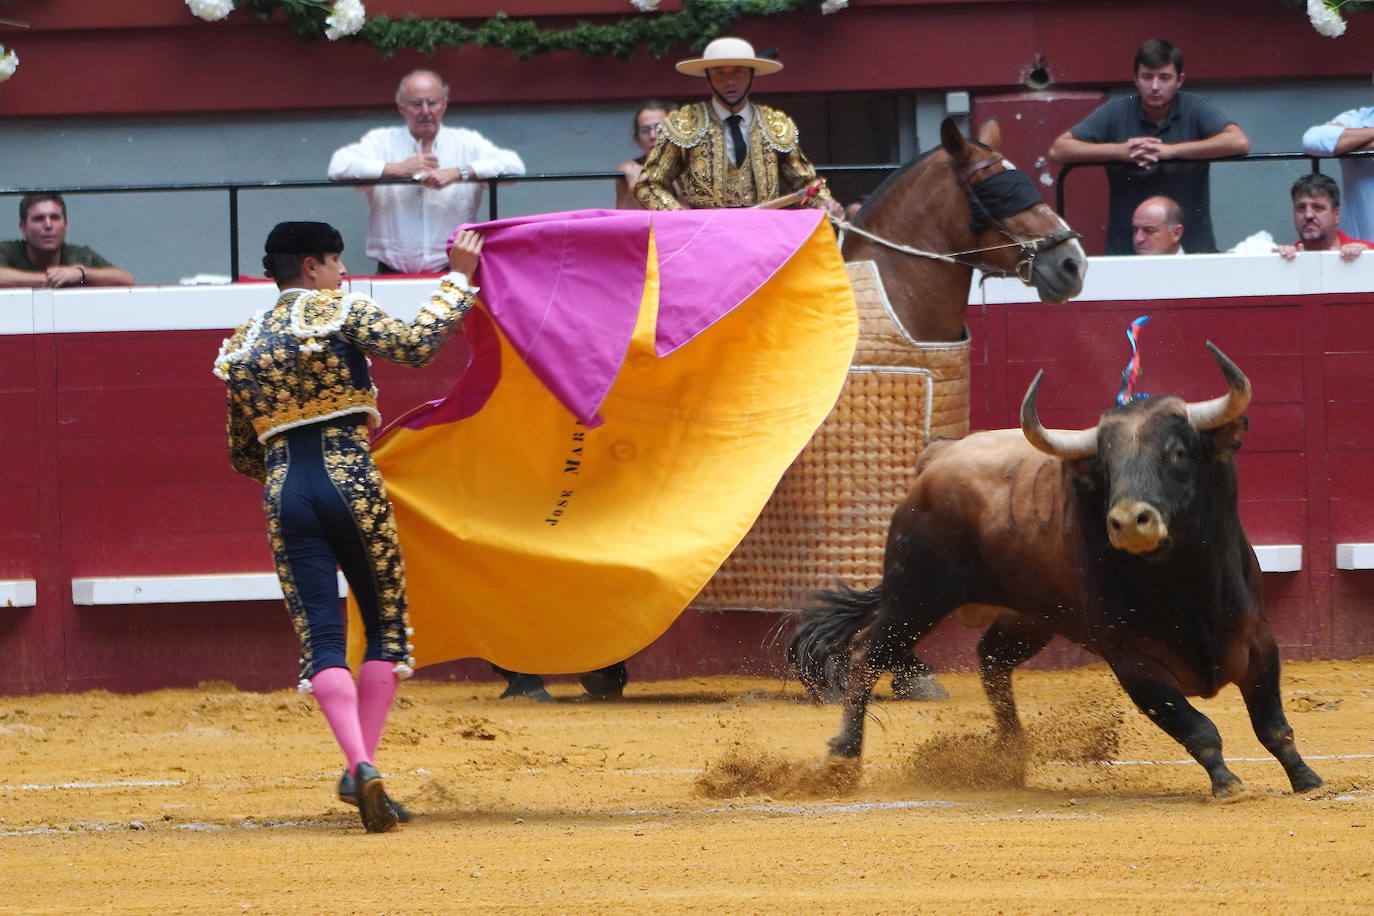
565 288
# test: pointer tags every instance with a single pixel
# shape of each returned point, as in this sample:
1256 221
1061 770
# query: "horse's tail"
820 648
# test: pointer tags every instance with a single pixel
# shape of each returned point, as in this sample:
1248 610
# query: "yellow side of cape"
541 545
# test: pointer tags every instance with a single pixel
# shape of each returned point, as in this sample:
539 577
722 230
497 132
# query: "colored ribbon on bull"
1131 373
540 542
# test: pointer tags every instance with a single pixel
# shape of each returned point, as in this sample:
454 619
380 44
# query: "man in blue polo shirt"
1155 142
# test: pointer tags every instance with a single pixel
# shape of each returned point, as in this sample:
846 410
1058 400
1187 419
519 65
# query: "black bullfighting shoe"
349 795
373 805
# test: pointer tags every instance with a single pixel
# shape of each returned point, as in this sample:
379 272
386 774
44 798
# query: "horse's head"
1019 233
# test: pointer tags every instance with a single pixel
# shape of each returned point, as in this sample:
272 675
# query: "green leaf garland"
695 24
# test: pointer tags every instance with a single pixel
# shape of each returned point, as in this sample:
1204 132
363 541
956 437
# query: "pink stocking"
338 698
376 686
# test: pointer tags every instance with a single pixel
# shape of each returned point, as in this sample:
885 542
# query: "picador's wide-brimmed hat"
728 52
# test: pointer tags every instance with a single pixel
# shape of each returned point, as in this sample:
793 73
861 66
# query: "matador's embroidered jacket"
305 360
691 152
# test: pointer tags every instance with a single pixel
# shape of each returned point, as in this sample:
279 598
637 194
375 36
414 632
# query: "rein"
1030 248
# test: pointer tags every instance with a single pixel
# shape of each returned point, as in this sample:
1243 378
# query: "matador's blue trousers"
327 510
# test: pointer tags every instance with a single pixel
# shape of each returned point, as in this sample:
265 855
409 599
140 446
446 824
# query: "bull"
1124 538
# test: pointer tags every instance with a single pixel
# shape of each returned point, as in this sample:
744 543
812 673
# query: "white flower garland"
211 10
833 6
9 62
1326 17
644 6
347 19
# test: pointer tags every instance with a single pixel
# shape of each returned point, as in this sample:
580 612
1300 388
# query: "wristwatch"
464 173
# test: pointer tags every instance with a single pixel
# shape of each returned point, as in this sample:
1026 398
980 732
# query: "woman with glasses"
645 127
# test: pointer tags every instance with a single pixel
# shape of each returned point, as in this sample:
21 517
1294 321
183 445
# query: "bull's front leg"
1167 707
1260 689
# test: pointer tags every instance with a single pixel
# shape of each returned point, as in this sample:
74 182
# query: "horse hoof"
842 747
923 689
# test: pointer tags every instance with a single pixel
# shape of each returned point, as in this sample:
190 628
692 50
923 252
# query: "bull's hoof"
922 688
1304 779
1229 791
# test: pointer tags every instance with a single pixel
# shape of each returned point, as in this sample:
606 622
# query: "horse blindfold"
1001 195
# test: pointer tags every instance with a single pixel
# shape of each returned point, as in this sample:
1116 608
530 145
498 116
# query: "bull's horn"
1220 411
1061 443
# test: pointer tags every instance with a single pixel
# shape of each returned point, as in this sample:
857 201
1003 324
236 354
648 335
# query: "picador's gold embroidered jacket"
305 360
691 152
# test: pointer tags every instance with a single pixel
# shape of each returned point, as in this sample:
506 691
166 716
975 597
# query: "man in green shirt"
42 258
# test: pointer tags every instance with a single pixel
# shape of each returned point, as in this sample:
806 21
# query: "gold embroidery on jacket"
691 152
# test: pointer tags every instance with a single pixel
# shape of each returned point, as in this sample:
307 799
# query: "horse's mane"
896 176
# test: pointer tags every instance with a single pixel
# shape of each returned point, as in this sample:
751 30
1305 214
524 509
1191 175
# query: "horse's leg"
913 679
1260 689
1004 645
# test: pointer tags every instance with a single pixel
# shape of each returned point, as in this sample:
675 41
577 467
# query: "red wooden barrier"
112 460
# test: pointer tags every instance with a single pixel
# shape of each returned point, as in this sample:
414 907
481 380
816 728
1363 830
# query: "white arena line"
1191 762
38 787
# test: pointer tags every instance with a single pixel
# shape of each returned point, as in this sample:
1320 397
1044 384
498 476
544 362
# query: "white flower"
211 10
644 6
1326 19
9 62
833 6
347 19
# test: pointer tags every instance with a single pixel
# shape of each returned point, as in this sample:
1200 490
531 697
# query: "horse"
955 208
958 207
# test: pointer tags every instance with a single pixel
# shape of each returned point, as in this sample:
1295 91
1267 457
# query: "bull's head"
1154 455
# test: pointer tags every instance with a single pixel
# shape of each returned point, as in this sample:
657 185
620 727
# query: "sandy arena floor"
701 796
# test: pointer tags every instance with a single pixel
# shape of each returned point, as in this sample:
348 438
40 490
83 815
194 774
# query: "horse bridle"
991 211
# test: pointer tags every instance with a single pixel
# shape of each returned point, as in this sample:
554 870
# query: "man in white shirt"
1347 132
408 225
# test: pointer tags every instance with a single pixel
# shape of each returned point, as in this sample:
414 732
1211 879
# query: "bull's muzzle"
1136 527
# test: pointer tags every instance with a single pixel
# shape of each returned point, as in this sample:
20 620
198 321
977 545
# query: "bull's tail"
820 649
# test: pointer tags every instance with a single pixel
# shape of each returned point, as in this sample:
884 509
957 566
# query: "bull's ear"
1226 439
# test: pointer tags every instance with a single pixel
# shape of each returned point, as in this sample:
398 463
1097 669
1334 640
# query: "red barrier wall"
112 463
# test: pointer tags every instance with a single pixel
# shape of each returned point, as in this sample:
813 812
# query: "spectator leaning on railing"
1143 139
1316 214
1348 132
43 257
408 225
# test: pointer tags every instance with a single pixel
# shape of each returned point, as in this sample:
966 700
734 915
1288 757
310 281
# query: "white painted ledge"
1355 556
18 592
116 590
1279 557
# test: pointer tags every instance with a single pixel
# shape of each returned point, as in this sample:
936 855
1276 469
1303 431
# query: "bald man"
1157 227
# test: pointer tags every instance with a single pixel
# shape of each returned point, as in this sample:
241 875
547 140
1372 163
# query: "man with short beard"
1316 216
